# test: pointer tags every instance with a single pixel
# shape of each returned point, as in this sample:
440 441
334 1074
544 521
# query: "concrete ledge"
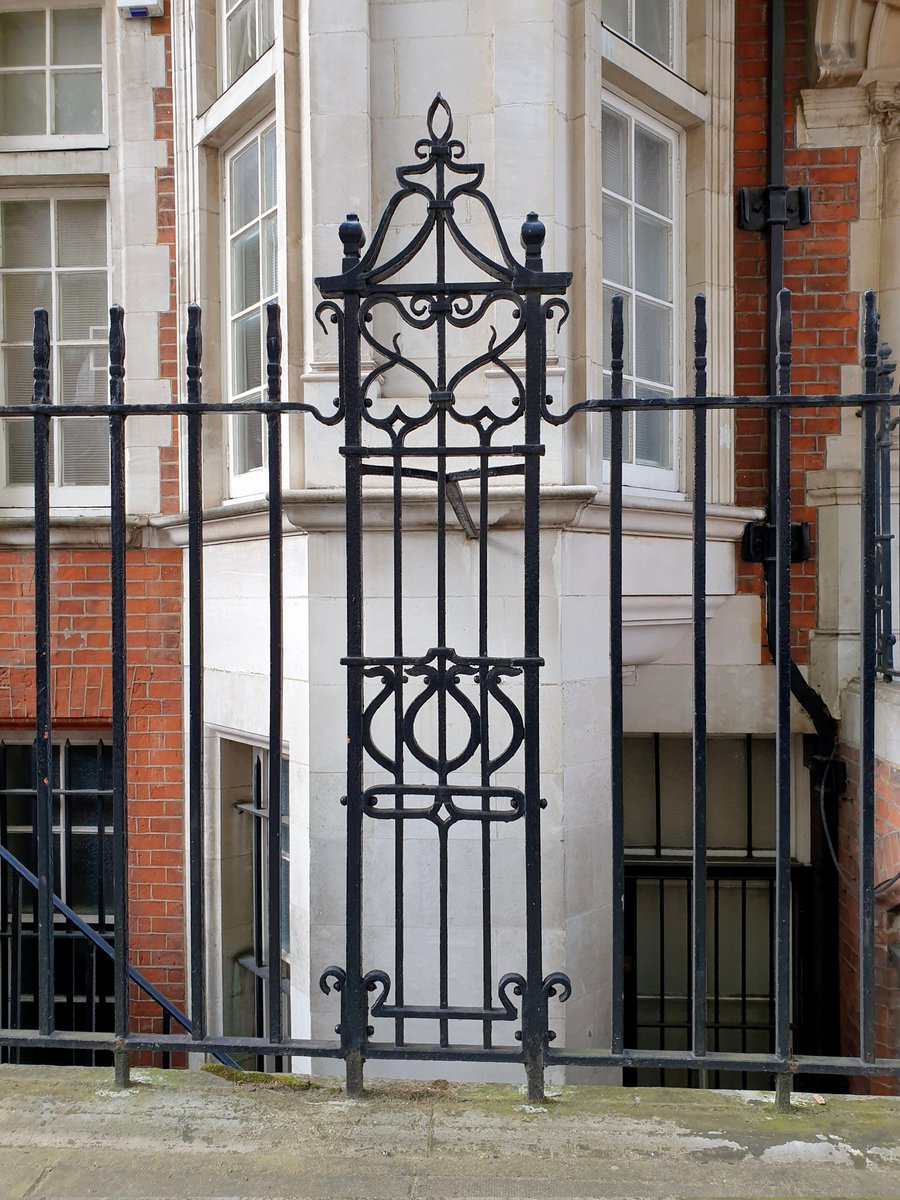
68 1133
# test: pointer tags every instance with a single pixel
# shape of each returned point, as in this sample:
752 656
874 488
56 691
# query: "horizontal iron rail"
306 1048
628 404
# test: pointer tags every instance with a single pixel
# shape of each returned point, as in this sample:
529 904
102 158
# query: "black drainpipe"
771 210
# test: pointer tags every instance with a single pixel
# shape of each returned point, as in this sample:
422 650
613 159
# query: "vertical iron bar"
43 730
399 743
657 794
616 722
884 610
117 569
276 632
699 956
868 653
485 754
782 520
534 1022
354 1010
197 850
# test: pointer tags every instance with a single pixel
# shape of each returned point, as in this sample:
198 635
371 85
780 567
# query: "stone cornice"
573 506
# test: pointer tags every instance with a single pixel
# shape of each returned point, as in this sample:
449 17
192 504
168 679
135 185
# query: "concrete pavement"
69 1134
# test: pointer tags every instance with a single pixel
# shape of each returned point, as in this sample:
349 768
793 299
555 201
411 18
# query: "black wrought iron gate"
444 733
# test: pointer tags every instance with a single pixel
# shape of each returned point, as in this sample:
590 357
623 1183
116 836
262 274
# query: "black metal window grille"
82 841
740 888
411 443
258 810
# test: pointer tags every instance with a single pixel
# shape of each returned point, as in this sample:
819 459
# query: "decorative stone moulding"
654 625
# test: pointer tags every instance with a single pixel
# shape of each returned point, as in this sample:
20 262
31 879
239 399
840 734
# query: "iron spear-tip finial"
439 103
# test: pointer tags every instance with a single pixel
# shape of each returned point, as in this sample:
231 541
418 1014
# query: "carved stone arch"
841 33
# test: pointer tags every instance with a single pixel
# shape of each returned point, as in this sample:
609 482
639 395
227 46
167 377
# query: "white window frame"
62 141
239 485
224 9
79 496
663 480
677 34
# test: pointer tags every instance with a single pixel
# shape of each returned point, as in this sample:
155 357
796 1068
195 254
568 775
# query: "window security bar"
470 683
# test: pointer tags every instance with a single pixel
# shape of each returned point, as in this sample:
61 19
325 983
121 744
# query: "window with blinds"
54 255
252 281
647 23
249 32
639 248
51 73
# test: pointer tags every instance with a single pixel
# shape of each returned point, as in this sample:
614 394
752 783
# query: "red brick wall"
81 675
825 311
887 917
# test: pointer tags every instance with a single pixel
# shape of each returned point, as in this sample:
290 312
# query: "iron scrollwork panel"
405 710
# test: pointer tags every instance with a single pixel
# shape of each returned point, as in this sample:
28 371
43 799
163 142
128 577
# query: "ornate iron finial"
785 331
116 354
41 349
700 339
439 103
617 345
353 239
273 350
533 234
870 343
194 354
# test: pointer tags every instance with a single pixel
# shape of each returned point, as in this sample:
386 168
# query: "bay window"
647 23
252 281
249 31
640 263
54 255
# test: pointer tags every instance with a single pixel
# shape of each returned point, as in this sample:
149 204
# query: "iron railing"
417 783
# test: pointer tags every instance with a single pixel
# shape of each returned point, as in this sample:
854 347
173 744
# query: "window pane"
247 350
616 266
76 37
85 452
18 377
81 233
653 342
83 375
22 39
270 257
652 436
614 158
84 870
241 40
77 102
89 767
653 256
23 105
21 294
652 171
19 774
19 453
248 442
245 270
615 15
269 167
25 233
83 306
266 25
245 186
652 24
